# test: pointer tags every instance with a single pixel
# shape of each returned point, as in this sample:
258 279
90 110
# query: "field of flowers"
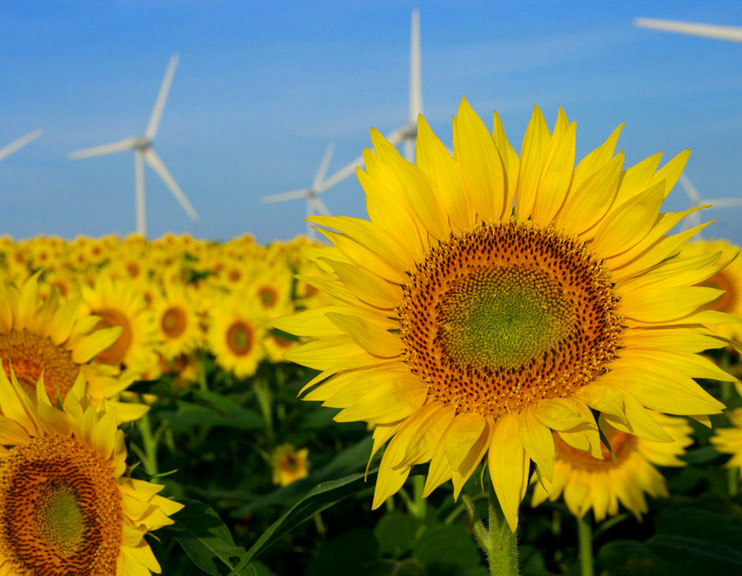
153 393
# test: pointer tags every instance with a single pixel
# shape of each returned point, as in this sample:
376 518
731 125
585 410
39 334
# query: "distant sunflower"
289 464
235 334
176 321
728 279
119 303
493 298
729 440
588 482
65 505
57 338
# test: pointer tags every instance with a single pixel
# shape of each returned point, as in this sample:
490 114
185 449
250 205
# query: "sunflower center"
240 338
268 296
60 509
727 301
115 353
173 322
60 518
31 354
504 316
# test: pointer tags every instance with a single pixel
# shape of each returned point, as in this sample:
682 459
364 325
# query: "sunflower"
66 506
494 298
289 464
729 440
728 279
600 484
235 334
177 322
58 339
118 302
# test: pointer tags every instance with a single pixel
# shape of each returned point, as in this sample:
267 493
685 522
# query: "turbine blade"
345 172
151 157
112 148
141 198
283 196
690 190
728 33
321 208
416 97
322 170
19 143
724 202
154 120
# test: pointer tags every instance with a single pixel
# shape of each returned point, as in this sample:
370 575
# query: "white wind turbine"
144 152
694 219
16 145
726 33
314 203
406 134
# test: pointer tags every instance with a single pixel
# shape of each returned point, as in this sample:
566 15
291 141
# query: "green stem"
149 442
263 392
480 532
502 546
585 540
419 503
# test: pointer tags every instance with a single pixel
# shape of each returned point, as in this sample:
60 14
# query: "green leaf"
206 540
396 533
346 462
448 548
189 414
354 552
320 498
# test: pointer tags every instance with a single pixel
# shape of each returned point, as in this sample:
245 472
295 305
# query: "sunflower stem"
480 532
263 392
585 542
502 546
150 445
420 508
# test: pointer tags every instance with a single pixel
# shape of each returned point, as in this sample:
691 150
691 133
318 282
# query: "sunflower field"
517 365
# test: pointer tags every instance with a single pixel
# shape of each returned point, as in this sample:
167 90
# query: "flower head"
495 298
66 506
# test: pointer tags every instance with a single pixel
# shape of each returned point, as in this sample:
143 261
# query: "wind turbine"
16 145
694 219
314 203
728 33
144 152
407 133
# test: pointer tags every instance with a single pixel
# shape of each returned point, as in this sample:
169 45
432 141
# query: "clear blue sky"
263 87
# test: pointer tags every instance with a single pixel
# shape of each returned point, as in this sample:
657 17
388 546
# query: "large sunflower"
624 476
66 506
493 298
59 339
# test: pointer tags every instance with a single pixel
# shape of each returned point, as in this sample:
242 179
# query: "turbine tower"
407 133
144 152
314 203
16 145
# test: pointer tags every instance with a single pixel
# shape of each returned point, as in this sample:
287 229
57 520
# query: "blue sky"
263 87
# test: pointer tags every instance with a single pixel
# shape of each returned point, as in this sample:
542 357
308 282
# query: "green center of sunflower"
239 338
496 319
502 318
60 518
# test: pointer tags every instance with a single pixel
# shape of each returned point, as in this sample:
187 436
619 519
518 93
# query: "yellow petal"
367 286
508 466
556 176
536 142
388 402
373 338
538 442
481 165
